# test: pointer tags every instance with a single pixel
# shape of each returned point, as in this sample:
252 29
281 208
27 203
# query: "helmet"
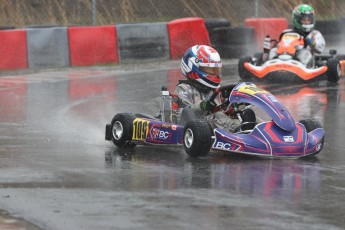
202 64
303 17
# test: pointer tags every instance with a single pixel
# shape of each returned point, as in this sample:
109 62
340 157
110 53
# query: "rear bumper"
108 133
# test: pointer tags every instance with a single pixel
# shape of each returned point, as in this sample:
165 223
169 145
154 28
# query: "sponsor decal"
140 129
288 139
160 134
183 94
224 146
291 36
251 90
173 127
318 147
283 66
168 126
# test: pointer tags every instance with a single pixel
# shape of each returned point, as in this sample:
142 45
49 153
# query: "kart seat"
248 120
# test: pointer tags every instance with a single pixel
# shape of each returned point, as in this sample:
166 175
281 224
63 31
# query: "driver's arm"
316 41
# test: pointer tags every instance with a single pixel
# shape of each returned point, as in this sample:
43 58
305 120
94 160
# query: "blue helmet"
202 64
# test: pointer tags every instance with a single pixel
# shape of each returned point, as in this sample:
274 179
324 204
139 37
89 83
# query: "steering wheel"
225 90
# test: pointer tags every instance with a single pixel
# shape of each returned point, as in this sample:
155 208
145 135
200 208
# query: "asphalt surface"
58 172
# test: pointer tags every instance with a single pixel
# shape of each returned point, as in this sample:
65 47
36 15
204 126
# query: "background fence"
24 13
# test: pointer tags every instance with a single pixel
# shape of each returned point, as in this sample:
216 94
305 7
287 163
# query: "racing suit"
192 96
314 43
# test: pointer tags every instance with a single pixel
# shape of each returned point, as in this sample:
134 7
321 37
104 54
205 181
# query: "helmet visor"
211 70
307 19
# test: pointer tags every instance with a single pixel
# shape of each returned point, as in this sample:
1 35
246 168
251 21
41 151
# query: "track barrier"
47 47
59 46
184 33
13 49
266 26
92 45
142 41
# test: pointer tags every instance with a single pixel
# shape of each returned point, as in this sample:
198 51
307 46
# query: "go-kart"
279 137
286 67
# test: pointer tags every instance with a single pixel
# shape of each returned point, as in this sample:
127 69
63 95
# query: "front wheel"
122 130
197 138
242 71
310 124
333 72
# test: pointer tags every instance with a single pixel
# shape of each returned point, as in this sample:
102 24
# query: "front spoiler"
267 140
276 67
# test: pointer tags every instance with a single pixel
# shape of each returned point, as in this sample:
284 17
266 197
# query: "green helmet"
303 12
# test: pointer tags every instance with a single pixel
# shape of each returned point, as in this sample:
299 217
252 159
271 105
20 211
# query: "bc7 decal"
140 129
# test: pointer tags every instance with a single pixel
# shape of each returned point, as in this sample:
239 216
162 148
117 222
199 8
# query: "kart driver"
202 66
303 18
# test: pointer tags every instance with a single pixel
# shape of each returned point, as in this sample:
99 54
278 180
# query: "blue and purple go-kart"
279 137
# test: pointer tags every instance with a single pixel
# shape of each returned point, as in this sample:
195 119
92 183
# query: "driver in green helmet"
303 17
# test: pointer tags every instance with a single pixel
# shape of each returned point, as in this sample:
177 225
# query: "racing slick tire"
122 130
333 72
310 125
259 58
244 74
197 138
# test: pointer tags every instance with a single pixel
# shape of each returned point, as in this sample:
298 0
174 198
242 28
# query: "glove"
226 93
207 105
267 43
310 42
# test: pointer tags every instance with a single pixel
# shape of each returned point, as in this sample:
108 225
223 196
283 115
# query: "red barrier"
92 45
13 50
266 26
184 33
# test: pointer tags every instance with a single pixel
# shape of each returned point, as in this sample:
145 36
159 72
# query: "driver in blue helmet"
202 65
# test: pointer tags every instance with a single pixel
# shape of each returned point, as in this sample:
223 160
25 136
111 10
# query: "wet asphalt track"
58 172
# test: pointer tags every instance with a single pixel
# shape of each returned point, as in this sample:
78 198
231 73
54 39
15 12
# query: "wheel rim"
117 130
188 138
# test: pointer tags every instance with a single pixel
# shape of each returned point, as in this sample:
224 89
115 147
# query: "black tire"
310 124
212 23
7 27
333 72
197 138
234 51
244 74
259 58
187 114
340 57
122 130
240 35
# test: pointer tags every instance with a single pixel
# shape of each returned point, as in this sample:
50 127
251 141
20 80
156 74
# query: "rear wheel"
197 138
333 72
122 130
242 71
